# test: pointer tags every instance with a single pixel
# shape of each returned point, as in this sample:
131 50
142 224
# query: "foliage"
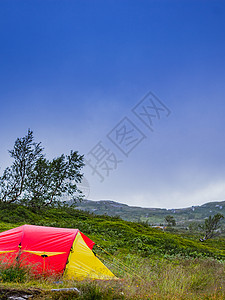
193 227
35 181
25 154
170 220
156 216
211 226
150 263
53 179
113 234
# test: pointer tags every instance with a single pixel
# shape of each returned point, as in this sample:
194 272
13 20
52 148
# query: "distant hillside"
154 216
114 234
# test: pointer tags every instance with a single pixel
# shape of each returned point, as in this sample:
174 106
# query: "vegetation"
150 263
13 273
35 181
112 233
170 220
211 226
184 217
158 279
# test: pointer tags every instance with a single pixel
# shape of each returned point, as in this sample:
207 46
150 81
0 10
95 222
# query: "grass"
113 234
149 263
157 279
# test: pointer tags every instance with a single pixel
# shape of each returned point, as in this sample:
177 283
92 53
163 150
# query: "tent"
50 250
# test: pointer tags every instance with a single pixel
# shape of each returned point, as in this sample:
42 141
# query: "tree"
35 181
170 220
25 154
50 180
211 226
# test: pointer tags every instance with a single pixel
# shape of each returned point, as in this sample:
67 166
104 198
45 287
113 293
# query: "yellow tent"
82 263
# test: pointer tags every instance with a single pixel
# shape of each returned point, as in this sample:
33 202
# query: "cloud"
175 198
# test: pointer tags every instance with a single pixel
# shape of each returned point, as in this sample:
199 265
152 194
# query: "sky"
136 86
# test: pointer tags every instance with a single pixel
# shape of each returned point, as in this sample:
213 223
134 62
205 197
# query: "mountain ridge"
154 216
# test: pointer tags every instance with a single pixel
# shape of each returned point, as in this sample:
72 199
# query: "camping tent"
52 250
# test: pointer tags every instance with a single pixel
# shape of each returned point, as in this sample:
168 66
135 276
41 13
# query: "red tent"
52 250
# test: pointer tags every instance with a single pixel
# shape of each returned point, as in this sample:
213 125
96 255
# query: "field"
149 263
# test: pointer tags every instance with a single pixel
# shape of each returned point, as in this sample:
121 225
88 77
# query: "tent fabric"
78 268
52 250
38 238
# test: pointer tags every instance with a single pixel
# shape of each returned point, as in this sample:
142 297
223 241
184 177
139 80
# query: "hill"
113 233
154 216
153 264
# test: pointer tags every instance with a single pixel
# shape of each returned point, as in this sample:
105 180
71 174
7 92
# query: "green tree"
35 181
211 227
170 220
25 154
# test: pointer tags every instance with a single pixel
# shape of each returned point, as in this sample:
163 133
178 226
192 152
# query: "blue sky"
73 70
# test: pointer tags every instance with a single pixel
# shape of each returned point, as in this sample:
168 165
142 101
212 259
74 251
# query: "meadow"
149 263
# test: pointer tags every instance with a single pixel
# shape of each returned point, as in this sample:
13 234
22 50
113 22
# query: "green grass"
13 274
116 235
150 263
